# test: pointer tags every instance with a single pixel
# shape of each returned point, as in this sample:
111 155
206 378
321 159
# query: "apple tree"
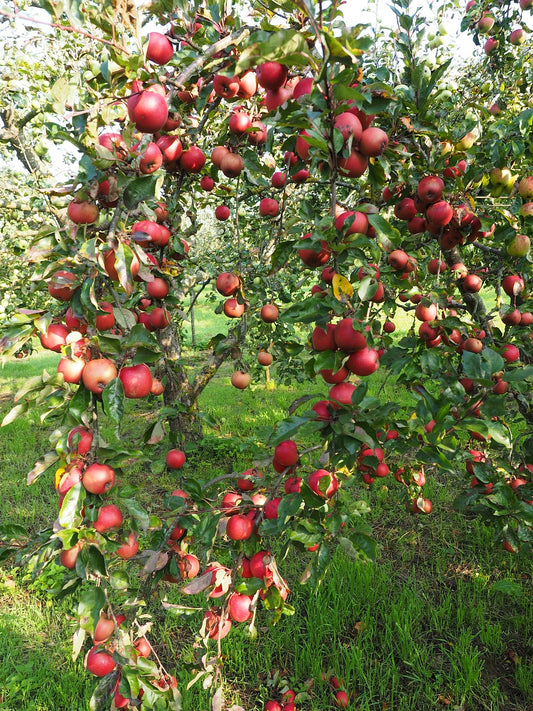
347 216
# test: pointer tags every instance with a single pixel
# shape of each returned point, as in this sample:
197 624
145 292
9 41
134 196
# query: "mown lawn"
444 619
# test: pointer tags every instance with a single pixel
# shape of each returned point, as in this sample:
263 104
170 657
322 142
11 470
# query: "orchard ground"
443 619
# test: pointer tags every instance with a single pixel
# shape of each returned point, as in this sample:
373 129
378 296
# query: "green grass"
444 616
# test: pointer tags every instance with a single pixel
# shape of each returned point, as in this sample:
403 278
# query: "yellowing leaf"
342 289
59 474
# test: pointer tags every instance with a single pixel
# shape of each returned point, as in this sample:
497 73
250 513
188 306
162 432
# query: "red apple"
99 662
271 75
98 373
175 459
136 380
331 486
109 517
62 285
98 478
159 49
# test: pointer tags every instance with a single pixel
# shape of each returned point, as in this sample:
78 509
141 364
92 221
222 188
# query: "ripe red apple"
269 313
425 312
239 527
332 378
192 160
98 373
268 207
317 476
340 393
106 320
265 358
151 160
175 459
158 288
239 122
275 98
159 48
233 309
373 141
72 369
227 283
82 212
272 705
103 629
351 223
109 517
147 232
471 283
258 133
62 285
430 189
239 607
363 362
68 556
347 337
99 662
303 88
226 87
83 438
405 209
510 353
55 337
217 154
271 75
240 379
286 453
98 478
354 166
491 45
439 213
158 318
231 165
129 548
207 183
171 149
247 85
398 259
148 110
222 212
311 258
278 179
324 340
349 125
136 380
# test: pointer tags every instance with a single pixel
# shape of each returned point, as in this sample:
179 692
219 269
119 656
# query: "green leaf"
138 513
70 513
140 190
92 601
113 400
388 236
288 428
139 336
